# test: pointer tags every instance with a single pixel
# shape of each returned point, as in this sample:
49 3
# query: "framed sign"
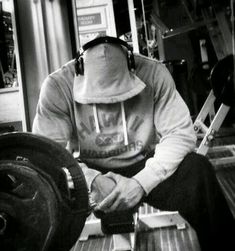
92 18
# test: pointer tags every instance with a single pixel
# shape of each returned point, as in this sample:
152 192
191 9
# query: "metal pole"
145 28
161 49
131 10
233 41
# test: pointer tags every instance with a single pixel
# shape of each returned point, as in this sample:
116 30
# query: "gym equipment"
222 92
43 194
125 227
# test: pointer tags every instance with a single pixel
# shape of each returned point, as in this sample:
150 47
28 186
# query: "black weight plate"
30 206
48 158
222 81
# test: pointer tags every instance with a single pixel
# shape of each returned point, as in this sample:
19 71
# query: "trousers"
193 190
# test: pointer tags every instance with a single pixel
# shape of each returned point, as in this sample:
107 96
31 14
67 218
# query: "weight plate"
46 158
222 81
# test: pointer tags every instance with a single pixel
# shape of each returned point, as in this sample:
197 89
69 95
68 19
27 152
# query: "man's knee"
197 165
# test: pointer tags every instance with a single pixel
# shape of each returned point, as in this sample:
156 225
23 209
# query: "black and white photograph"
117 125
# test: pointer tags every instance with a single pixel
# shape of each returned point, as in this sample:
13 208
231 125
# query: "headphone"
79 62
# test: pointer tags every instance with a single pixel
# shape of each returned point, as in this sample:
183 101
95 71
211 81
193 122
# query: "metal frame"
146 218
208 133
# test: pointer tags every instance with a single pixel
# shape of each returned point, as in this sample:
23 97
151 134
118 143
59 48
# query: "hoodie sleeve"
52 116
173 124
53 120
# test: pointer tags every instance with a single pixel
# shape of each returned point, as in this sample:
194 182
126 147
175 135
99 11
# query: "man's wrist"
144 193
93 182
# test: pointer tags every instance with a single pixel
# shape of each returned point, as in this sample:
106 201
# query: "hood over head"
106 78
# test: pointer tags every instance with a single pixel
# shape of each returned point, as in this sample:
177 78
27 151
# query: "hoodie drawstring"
97 127
124 124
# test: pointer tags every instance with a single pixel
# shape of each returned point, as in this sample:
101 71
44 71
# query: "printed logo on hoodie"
109 139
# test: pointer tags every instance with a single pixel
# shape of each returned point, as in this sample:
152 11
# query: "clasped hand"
114 192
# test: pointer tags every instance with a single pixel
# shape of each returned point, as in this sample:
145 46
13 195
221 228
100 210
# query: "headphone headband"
106 39
79 64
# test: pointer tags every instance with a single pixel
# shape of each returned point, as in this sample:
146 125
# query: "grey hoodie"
120 134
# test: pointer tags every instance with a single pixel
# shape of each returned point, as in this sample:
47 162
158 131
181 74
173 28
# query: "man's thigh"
176 191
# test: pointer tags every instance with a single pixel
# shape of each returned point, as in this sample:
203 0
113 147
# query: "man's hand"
101 187
126 194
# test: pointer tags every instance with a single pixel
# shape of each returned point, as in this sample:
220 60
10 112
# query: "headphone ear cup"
131 61
79 65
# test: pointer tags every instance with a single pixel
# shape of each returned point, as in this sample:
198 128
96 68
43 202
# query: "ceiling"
193 6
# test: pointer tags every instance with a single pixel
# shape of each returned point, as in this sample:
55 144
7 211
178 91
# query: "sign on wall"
95 19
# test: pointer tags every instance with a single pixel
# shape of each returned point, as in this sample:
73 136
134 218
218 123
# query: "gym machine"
221 94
